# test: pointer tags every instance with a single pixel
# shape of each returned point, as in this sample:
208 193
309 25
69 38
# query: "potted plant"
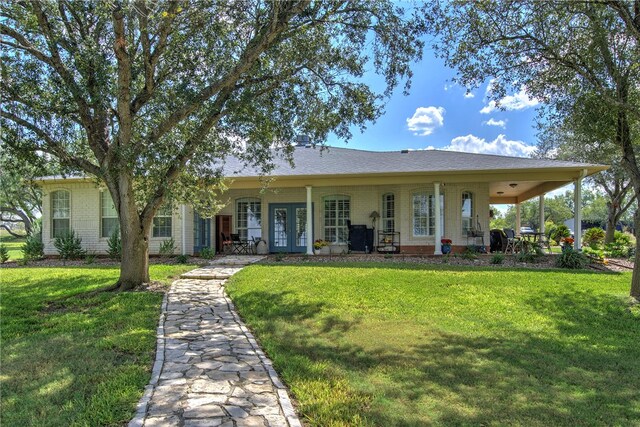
446 246
321 247
567 243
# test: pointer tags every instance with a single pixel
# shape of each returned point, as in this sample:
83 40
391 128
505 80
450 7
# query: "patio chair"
239 246
513 242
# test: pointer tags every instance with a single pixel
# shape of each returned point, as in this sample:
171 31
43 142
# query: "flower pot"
325 250
446 249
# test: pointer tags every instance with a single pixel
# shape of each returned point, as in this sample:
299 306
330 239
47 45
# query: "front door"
201 233
288 227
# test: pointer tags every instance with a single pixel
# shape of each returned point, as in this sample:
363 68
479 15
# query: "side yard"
399 344
13 245
70 356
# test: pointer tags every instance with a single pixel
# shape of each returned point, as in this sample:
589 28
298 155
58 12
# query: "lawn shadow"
582 370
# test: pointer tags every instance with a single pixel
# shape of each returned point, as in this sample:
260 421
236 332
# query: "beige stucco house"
396 195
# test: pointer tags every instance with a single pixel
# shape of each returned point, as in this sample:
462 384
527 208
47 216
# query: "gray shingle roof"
344 161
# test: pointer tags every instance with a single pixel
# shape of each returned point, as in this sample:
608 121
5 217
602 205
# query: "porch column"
309 230
577 219
438 234
517 230
183 221
541 208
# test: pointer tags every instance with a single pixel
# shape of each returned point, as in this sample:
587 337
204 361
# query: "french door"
201 233
288 227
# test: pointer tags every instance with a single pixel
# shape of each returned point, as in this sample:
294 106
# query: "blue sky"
437 114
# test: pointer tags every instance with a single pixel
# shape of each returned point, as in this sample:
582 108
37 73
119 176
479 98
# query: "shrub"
497 259
572 259
182 259
207 253
168 247
90 258
4 254
593 237
280 256
115 246
69 246
596 253
559 233
33 248
470 252
529 252
621 247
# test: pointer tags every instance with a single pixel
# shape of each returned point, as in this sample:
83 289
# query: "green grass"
400 345
13 244
71 357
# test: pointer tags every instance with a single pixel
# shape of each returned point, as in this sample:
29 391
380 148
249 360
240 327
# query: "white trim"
438 226
309 228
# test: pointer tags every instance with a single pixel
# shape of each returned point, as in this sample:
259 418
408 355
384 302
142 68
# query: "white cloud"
425 120
494 122
518 101
501 145
469 95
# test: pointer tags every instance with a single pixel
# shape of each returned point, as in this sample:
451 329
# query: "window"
60 213
388 213
249 218
337 211
467 212
109 216
424 220
162 222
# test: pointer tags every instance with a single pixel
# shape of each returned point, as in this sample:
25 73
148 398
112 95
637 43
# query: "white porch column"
183 217
438 234
541 208
309 230
577 219
517 230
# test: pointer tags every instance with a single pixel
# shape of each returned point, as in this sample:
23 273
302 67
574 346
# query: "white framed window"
60 213
424 219
388 217
162 222
467 212
108 215
337 212
249 218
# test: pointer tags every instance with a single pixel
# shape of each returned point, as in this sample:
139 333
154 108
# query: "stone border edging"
283 396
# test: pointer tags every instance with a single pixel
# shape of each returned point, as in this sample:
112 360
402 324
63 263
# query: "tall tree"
579 127
549 48
149 97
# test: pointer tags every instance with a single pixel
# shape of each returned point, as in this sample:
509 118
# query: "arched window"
388 213
109 216
249 218
467 212
337 211
60 213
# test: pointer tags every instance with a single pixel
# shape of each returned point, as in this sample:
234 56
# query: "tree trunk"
134 269
612 220
134 232
635 279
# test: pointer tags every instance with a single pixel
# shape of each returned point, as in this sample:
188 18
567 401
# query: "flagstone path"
209 369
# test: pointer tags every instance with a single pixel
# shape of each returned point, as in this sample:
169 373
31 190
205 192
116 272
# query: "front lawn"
13 244
407 345
70 357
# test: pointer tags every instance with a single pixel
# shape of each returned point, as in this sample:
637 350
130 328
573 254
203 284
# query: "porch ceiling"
522 191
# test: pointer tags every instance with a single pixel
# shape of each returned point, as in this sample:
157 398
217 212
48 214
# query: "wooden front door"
223 225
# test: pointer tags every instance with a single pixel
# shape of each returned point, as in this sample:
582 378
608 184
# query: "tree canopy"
149 97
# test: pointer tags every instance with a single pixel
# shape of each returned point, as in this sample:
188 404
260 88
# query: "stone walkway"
209 369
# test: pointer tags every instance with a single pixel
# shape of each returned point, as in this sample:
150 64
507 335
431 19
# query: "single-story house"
409 200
